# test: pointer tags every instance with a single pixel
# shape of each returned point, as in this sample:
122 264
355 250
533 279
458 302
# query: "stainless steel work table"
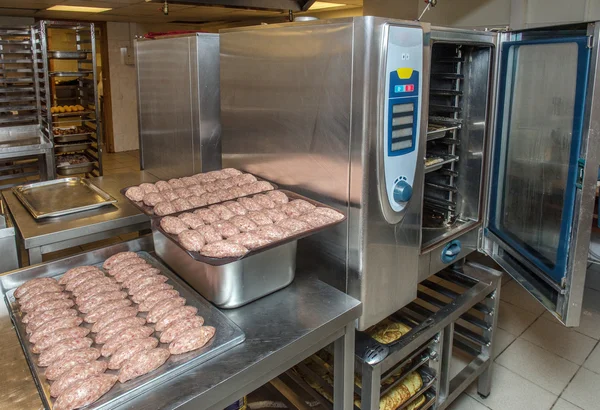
54 234
281 330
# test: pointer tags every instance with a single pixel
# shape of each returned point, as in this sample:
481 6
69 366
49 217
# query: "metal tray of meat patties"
149 210
227 335
60 197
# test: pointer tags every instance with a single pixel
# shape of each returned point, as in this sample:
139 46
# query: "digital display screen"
403 108
402 120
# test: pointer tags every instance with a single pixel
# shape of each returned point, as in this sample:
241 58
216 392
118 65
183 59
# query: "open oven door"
543 169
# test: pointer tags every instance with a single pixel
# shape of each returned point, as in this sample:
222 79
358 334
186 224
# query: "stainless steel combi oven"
434 142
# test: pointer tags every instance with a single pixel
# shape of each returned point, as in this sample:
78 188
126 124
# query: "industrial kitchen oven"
434 142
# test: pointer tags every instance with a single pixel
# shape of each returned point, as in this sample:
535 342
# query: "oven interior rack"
455 309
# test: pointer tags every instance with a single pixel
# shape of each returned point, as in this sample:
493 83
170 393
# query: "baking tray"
68 55
75 169
73 147
227 336
223 261
149 210
61 197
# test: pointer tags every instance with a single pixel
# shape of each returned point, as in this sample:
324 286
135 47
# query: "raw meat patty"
207 215
264 201
226 229
164 208
244 179
163 186
329 213
94 316
274 215
183 192
192 340
41 318
125 337
188 181
157 297
236 208
225 195
256 187
159 311
224 249
211 198
222 212
179 327
191 220
302 205
36 319
128 350
176 183
209 233
236 192
314 220
142 363
47 357
148 188
58 336
74 272
114 315
259 218
170 195
181 204
278 197
173 316
108 264
173 225
86 392
69 360
212 187
117 327
53 325
231 171
143 293
196 201
99 299
293 225
218 174
153 199
135 193
76 374
191 240
290 210
40 298
250 204
197 190
272 232
243 223
249 240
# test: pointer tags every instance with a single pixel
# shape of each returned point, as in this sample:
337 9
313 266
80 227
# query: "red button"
410 88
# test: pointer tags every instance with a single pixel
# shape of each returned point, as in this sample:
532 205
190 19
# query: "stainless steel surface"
178 104
61 139
40 237
17 139
61 197
75 169
68 55
564 299
234 284
279 5
69 73
308 120
227 336
8 244
197 256
73 147
281 330
431 262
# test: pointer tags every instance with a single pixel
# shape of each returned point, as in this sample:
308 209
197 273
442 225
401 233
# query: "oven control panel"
402 113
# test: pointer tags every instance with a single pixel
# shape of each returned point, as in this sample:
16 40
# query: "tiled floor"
540 364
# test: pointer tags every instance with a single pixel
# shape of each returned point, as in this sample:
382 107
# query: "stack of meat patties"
92 330
234 228
181 194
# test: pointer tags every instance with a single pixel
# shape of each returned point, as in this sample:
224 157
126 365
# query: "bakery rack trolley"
88 138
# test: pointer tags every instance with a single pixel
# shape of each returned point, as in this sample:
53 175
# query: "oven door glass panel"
538 139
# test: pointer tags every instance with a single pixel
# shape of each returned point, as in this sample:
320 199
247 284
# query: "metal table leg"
343 365
484 383
35 255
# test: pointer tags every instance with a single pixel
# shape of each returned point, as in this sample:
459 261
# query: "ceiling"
141 11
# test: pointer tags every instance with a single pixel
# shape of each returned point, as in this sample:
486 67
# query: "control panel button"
402 191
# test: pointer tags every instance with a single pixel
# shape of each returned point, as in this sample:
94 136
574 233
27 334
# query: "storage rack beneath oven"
86 139
454 311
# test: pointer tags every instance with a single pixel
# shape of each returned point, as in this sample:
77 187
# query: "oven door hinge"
590 41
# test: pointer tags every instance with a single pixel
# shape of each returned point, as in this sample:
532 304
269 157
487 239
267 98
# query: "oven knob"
402 191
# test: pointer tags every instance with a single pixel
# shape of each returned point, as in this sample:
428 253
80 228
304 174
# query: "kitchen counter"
54 234
281 330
